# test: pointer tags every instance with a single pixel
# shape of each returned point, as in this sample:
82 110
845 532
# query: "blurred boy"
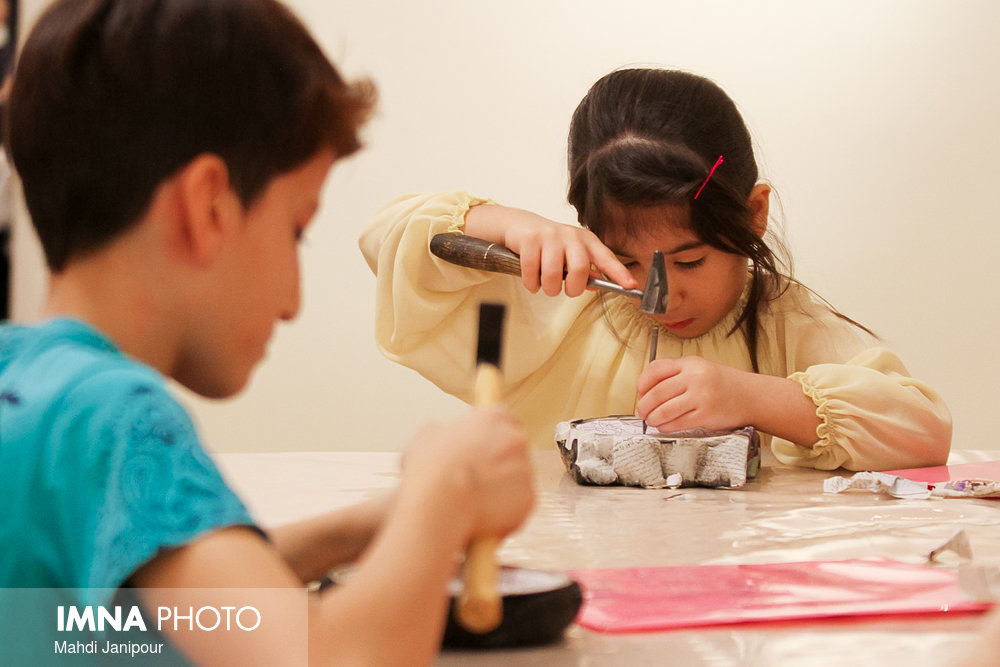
172 154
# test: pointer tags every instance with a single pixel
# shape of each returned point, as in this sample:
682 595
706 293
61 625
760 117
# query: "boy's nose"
293 303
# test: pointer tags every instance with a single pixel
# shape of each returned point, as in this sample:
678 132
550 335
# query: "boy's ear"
209 207
760 203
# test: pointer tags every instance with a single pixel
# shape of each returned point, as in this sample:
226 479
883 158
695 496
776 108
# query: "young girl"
172 154
658 160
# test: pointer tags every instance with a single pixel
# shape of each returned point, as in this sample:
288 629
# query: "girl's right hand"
476 468
555 257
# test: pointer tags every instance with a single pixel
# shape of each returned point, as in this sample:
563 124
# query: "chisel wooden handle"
476 253
480 608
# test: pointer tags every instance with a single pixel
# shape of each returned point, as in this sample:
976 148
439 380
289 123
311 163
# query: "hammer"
479 254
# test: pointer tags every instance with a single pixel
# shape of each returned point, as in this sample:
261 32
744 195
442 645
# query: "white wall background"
875 120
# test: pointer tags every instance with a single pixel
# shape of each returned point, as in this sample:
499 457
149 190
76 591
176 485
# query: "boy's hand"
478 466
692 392
548 249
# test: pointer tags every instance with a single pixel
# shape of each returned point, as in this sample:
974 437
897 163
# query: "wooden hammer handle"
480 608
475 253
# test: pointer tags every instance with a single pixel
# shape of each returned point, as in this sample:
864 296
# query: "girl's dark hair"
649 137
111 97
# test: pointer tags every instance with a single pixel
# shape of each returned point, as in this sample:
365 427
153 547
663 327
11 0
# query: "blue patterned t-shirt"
100 468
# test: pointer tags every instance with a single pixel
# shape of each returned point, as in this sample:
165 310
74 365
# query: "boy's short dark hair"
111 97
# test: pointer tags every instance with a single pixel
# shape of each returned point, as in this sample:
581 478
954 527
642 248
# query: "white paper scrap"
878 482
967 488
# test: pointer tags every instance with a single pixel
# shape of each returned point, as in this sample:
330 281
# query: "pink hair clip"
711 171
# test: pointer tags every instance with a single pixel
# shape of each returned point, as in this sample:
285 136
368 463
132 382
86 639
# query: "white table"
783 516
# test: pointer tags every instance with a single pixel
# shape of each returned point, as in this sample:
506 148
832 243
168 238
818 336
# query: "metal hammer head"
654 297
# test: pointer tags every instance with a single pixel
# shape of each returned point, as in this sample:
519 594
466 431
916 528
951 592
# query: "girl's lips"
677 326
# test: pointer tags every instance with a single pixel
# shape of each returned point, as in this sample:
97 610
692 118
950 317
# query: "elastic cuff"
825 431
467 201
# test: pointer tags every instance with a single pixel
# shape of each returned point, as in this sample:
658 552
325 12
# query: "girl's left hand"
692 392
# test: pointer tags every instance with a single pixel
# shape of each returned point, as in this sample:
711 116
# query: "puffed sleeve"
874 415
426 309
424 316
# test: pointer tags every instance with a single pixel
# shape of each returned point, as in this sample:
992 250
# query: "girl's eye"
690 265
300 235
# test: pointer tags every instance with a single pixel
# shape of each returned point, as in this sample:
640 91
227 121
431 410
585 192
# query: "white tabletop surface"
782 516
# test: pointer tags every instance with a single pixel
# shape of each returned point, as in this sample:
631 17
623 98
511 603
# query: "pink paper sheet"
936 474
664 598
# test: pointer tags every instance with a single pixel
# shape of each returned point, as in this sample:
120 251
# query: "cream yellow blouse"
568 358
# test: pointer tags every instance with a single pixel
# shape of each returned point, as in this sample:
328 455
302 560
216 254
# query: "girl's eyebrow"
687 245
690 245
